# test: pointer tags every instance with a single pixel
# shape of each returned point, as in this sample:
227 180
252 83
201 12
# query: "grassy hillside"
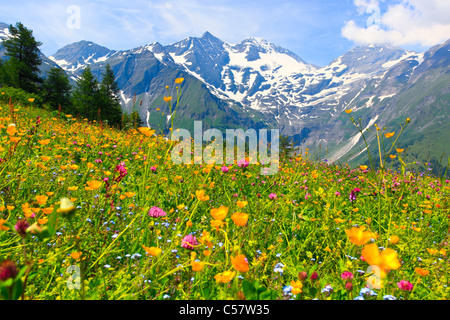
88 212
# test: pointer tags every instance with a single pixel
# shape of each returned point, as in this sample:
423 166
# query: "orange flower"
225 277
167 99
296 286
47 210
358 236
44 142
394 239
11 130
201 195
43 221
41 199
179 80
146 131
400 150
216 223
392 156
240 218
386 260
389 134
76 255
362 167
240 263
197 265
348 111
130 194
432 251
241 204
73 188
219 213
421 271
2 227
154 251
73 166
31 99
93 185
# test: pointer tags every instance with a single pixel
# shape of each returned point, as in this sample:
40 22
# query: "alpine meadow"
204 170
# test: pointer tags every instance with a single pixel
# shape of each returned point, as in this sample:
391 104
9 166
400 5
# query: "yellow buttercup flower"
93 185
386 260
239 218
201 195
225 277
154 251
219 213
389 134
358 236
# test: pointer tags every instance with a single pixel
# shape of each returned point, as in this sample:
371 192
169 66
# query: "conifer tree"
85 97
110 108
23 63
57 89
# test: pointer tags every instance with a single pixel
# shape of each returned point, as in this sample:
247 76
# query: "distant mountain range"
255 84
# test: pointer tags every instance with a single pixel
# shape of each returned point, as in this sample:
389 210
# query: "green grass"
303 229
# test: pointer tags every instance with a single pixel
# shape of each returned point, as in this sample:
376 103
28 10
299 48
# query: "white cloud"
410 22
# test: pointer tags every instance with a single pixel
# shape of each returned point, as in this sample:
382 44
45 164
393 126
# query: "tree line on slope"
89 99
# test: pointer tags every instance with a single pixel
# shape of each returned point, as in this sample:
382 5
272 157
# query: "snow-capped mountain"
255 83
79 54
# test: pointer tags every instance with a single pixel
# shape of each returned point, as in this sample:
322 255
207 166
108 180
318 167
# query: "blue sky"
317 31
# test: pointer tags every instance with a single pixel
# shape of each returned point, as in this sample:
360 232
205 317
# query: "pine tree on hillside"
110 108
57 89
85 97
23 62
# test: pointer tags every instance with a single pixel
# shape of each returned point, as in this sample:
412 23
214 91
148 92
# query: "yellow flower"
66 206
239 218
154 251
241 204
93 185
225 277
394 239
2 227
348 111
216 223
146 131
197 265
130 194
386 260
400 150
432 251
392 156
167 99
389 134
362 167
73 188
11 130
219 213
41 199
179 80
358 236
31 99
201 195
296 286
422 272
240 263
44 142
76 255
